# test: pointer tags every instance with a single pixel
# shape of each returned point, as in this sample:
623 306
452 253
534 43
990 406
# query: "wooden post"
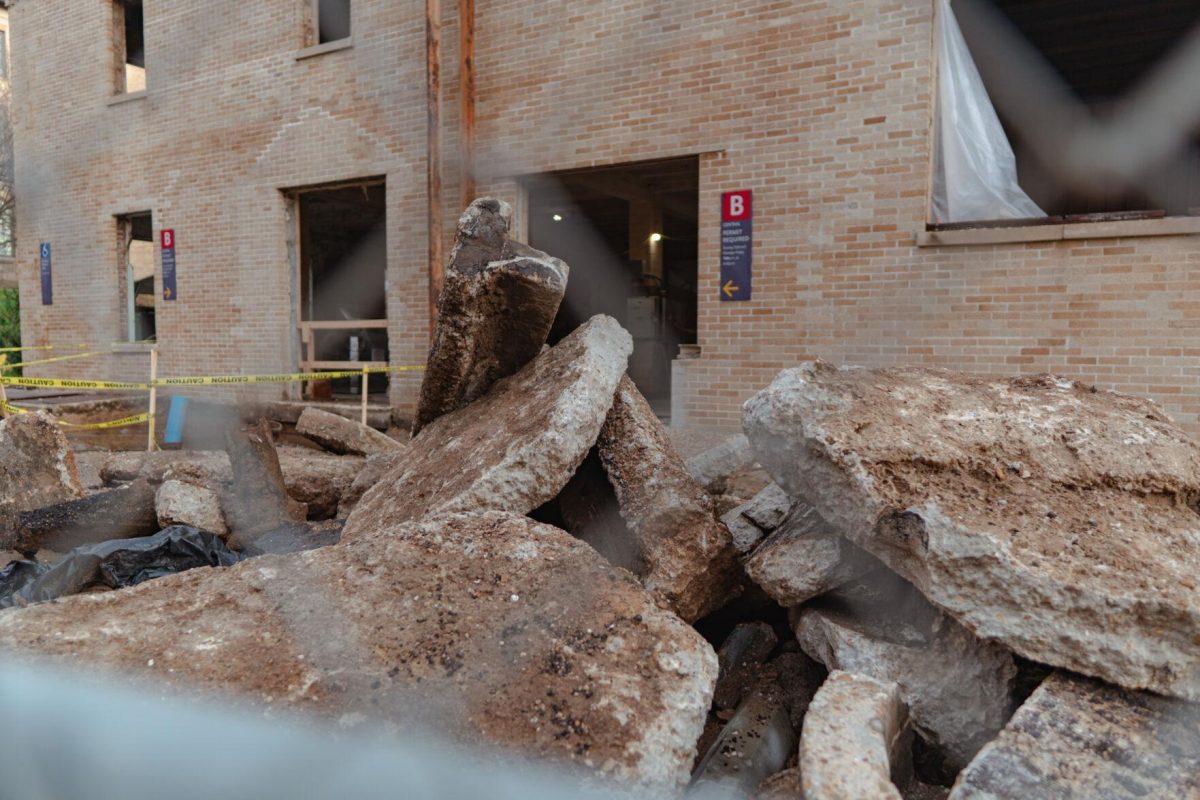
466 99
151 444
366 380
3 388
433 100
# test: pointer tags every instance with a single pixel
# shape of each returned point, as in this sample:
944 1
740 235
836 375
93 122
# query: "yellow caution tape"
54 360
45 347
233 380
136 419
212 380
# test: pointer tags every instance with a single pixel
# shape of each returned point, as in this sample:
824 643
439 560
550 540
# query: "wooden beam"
466 94
433 99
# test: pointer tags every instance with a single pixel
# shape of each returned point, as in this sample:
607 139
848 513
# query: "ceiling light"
655 238
557 218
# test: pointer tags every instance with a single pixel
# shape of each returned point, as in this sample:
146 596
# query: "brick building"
257 131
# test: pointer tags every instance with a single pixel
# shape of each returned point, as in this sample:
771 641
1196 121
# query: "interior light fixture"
655 238
557 218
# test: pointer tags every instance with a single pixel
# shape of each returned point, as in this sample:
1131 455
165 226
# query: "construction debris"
1078 739
958 689
740 659
258 500
512 449
804 558
500 629
712 468
856 741
754 519
757 743
1050 516
686 555
37 468
179 503
497 305
124 513
342 435
923 527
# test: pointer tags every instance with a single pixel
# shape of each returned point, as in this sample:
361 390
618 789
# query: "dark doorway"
630 235
343 267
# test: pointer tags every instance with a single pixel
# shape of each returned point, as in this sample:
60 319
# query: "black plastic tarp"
115 564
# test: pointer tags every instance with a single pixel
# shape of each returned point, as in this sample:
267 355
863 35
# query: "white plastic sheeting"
975 172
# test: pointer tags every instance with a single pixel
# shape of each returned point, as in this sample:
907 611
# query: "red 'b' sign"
736 206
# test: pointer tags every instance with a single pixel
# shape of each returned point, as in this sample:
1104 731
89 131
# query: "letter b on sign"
736 206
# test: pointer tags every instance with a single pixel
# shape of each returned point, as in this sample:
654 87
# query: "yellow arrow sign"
730 289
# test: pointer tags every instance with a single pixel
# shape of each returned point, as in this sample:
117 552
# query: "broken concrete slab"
754 519
688 554
207 467
179 503
712 468
498 302
500 631
37 467
344 436
1052 516
318 480
257 499
805 558
514 448
740 659
124 513
959 690
855 741
755 744
1080 739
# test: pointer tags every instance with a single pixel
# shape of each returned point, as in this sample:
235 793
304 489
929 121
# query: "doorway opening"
137 281
630 235
342 283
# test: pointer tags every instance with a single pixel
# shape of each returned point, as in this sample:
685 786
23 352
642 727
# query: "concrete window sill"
1120 229
322 49
127 97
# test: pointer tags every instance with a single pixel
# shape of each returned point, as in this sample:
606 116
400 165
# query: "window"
136 235
129 46
333 20
1044 68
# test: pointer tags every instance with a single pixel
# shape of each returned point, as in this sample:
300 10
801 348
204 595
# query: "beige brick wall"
821 107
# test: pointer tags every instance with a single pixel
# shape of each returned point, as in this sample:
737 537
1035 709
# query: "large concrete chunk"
687 553
179 503
855 740
804 558
514 448
497 305
491 627
1079 739
124 513
1052 516
958 689
37 467
257 500
312 477
714 466
757 517
342 435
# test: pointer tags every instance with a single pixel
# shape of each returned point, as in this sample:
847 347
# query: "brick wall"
822 108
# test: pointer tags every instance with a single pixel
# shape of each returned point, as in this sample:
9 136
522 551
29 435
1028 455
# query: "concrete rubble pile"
948 586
